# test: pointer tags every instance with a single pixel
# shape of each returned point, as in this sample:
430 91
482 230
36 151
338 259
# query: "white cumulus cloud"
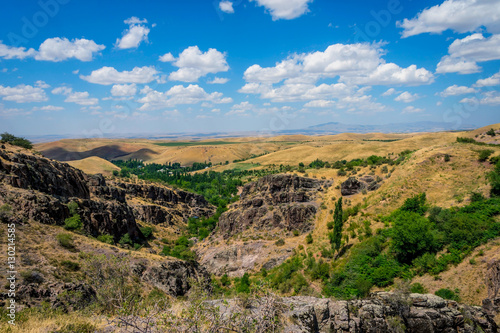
23 94
78 97
134 35
412 109
59 49
493 80
226 7
458 15
406 97
179 94
123 90
285 9
456 90
193 64
109 75
10 52
219 80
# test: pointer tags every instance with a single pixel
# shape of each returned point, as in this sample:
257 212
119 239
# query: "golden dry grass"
93 165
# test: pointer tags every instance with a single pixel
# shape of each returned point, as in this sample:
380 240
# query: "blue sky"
92 68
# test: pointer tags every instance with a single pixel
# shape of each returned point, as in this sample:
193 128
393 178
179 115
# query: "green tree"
16 141
338 223
412 236
491 132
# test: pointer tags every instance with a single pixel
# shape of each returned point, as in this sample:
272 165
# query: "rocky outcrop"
40 174
173 277
234 260
163 205
36 188
354 185
275 201
68 296
383 312
492 303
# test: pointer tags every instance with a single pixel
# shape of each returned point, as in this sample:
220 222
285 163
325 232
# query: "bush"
125 240
70 265
309 239
491 132
73 223
73 208
16 141
448 294
105 238
446 158
225 280
418 288
280 242
415 204
412 236
30 276
66 241
147 232
296 233
485 154
244 284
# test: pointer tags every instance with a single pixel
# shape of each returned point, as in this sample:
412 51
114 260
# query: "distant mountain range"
321 129
336 128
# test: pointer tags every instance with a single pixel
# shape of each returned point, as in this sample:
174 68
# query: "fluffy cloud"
457 65
78 97
23 94
109 75
226 7
134 35
464 53
121 90
412 109
285 9
456 90
406 97
219 80
9 52
458 15
193 64
319 103
493 80
390 92
48 108
191 94
491 98
352 63
167 57
59 49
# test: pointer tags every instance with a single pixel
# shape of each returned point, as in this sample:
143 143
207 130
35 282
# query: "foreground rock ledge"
383 312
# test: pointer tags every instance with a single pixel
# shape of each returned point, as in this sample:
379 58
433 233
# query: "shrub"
66 241
147 232
244 284
448 294
485 154
446 158
418 288
73 223
105 238
30 276
415 204
491 132
73 207
309 239
16 141
225 280
296 233
280 242
125 240
412 236
70 265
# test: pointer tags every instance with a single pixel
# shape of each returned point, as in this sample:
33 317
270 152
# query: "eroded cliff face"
38 189
279 201
269 209
381 313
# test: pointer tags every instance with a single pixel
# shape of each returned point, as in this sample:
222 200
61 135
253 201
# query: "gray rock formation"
353 185
275 201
